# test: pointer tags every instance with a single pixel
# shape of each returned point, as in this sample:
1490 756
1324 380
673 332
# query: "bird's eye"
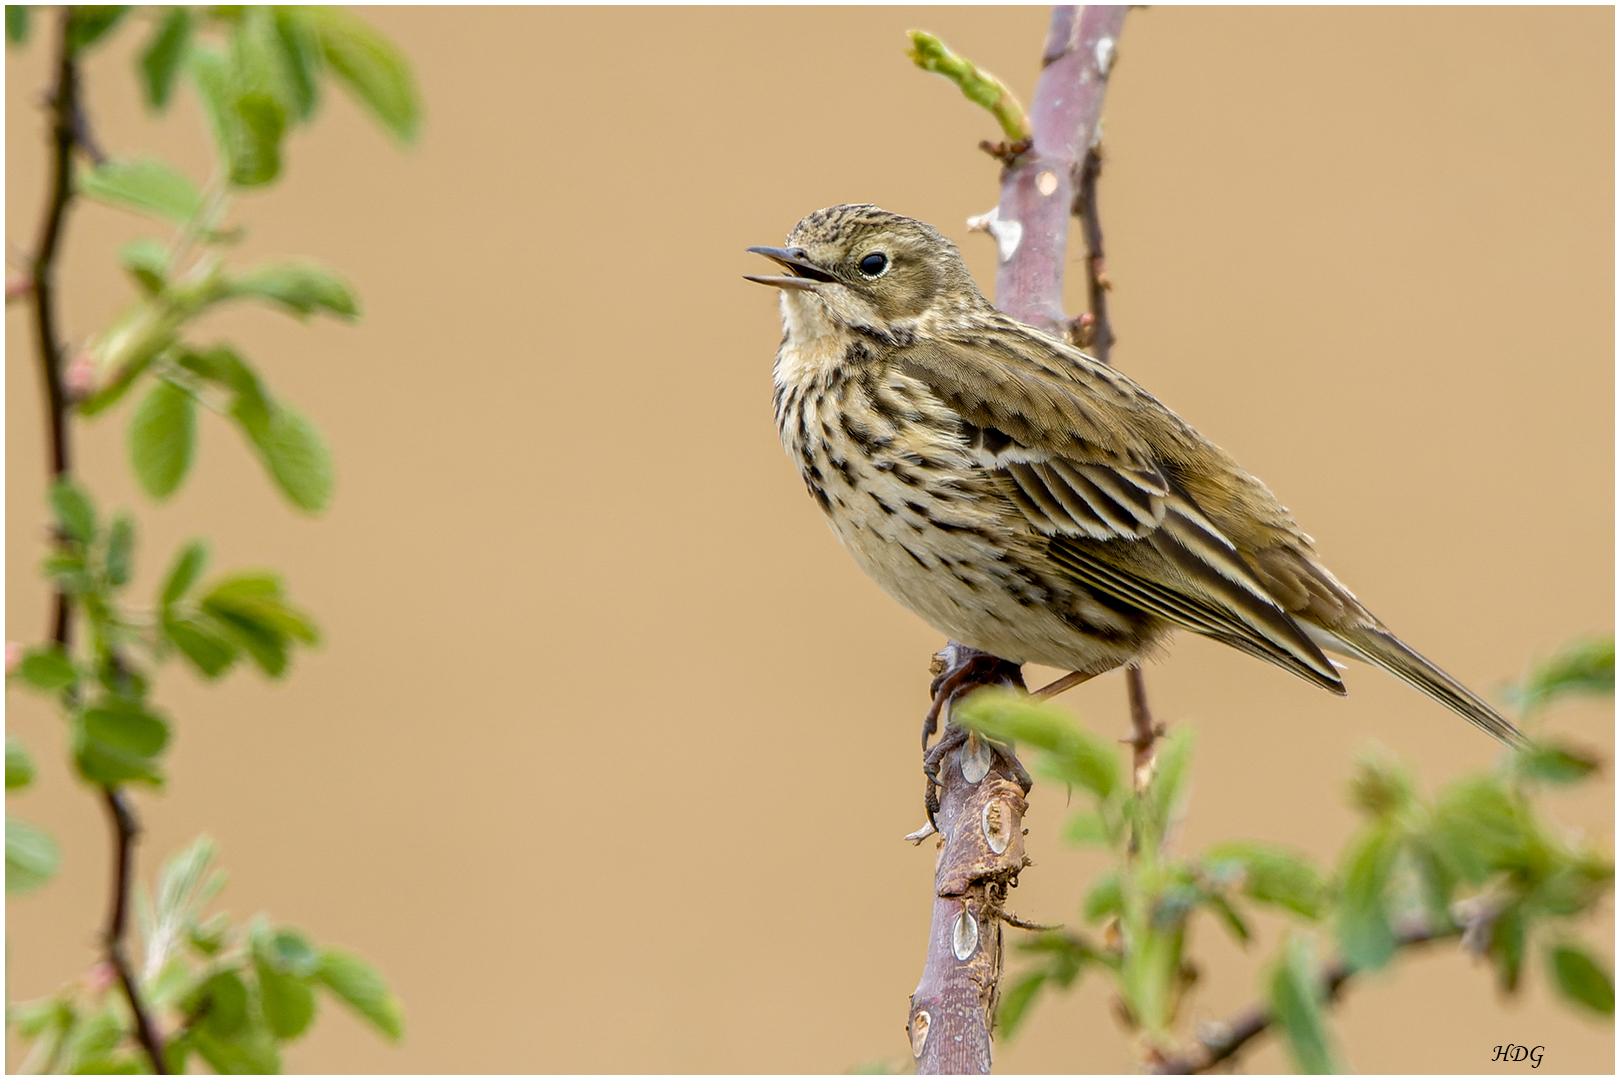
874 264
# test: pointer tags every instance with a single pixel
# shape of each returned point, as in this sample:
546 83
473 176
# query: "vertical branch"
67 133
981 804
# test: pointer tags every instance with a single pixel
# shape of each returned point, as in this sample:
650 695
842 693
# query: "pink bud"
101 977
80 376
14 651
18 285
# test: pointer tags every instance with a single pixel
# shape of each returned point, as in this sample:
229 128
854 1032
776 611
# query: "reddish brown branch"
954 1005
69 130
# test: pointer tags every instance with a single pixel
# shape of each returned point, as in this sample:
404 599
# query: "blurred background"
607 756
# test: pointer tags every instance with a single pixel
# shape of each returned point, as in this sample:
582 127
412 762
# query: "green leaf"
1552 764
300 287
301 57
1381 788
1584 666
120 548
1579 978
371 66
288 952
250 608
1170 762
1365 936
17 23
1477 825
978 86
46 668
31 855
90 22
119 741
252 1050
211 74
209 651
1228 915
161 60
1077 756
183 575
1087 829
1507 947
74 514
163 438
226 1000
1104 899
1296 1006
357 984
1274 875
261 123
297 459
1017 999
19 766
147 262
146 186
289 1004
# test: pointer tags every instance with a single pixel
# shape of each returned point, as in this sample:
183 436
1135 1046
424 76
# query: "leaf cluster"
230 993
1479 861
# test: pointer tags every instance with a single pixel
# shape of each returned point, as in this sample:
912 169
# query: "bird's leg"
959 669
1057 686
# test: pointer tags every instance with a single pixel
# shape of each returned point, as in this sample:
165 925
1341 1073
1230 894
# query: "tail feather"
1378 646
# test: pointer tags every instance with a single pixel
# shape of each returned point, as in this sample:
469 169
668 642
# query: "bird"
1026 499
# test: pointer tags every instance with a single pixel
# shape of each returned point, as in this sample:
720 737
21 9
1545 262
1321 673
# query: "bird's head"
864 267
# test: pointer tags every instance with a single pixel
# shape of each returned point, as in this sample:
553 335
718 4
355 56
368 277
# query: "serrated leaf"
209 651
1365 936
356 983
118 742
74 514
163 438
1274 875
89 23
301 287
147 186
120 550
183 575
46 668
1295 994
161 60
1579 978
296 457
17 23
19 766
373 69
31 854
1477 825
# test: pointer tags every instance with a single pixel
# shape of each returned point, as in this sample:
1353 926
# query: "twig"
1227 1038
1096 334
1144 731
68 130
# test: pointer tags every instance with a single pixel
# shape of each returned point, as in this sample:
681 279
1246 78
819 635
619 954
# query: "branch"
1225 1039
1095 334
69 130
1031 222
980 812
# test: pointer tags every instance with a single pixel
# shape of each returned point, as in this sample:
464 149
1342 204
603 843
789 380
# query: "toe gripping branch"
976 803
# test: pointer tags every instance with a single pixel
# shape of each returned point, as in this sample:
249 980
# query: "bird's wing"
1062 435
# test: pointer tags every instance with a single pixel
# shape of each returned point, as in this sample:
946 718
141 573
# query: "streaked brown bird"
1024 498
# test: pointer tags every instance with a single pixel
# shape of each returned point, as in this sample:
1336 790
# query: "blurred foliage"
227 994
1478 862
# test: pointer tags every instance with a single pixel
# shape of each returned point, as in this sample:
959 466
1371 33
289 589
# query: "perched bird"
1026 499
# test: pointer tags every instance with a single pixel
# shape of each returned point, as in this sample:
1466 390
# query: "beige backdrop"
608 754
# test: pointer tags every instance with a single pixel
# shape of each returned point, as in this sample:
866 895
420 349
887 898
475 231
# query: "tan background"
609 752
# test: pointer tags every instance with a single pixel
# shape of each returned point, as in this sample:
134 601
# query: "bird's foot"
959 669
979 755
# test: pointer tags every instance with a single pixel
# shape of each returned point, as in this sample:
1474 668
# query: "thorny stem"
68 131
1098 333
1225 1039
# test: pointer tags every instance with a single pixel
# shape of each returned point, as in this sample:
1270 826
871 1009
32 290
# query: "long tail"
1378 646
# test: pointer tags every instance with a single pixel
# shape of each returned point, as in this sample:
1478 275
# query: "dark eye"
874 264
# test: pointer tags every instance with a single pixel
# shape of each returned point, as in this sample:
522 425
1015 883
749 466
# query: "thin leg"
1057 686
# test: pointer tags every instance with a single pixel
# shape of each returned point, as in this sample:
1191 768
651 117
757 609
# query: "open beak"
802 273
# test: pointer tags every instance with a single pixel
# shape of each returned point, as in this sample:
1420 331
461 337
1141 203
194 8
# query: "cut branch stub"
1031 222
